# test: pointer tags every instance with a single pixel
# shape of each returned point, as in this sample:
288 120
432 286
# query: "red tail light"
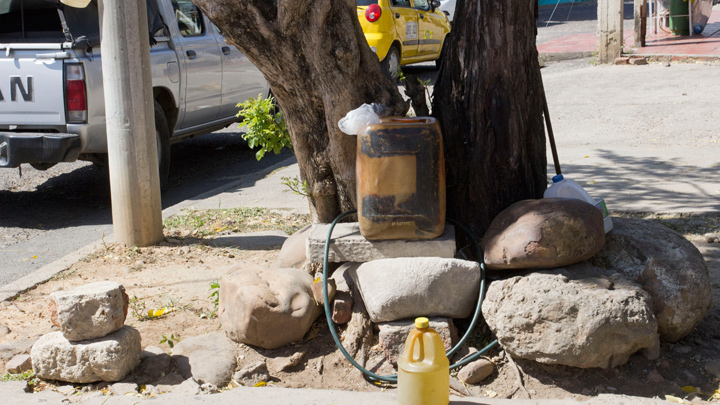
373 12
75 94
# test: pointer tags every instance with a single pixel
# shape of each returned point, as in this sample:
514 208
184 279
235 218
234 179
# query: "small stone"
586 392
319 365
208 388
206 358
710 237
19 364
169 382
187 388
713 368
4 330
654 377
680 349
623 60
638 61
286 363
342 307
152 351
476 371
253 373
121 388
317 289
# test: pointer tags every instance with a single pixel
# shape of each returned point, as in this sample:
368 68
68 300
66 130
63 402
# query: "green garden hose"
393 378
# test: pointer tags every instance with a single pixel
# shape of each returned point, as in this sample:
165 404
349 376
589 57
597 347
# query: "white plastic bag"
359 118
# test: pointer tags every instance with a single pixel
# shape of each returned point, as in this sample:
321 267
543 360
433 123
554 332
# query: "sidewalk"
705 45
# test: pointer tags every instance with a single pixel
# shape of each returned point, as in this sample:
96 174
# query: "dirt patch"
178 277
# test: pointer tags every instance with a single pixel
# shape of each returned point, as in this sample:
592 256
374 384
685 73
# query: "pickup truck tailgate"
31 91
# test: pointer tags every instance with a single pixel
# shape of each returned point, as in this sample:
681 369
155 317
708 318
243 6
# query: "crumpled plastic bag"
357 119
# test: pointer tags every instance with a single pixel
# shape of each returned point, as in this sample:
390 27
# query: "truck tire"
162 136
391 63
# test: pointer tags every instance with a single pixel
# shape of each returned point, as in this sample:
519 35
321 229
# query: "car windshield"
366 2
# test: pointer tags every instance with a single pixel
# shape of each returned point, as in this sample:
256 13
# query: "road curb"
560 56
45 273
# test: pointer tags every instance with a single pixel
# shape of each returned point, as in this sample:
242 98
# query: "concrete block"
348 245
623 60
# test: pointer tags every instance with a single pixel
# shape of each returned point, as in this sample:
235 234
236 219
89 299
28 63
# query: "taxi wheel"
391 63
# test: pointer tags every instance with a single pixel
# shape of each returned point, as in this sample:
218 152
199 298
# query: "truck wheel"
391 63
162 136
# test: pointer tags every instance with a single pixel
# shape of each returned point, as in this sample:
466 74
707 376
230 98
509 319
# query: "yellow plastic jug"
423 368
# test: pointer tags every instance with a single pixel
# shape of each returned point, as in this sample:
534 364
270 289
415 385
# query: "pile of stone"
564 291
586 299
92 344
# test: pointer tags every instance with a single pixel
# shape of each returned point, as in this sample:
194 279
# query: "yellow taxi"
401 32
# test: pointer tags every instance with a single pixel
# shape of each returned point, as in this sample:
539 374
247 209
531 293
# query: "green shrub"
265 126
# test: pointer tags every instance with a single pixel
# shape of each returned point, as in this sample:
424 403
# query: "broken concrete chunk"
89 311
347 245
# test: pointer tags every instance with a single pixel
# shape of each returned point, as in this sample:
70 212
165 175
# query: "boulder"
579 316
267 308
89 311
109 358
393 335
208 359
402 288
292 254
667 266
543 234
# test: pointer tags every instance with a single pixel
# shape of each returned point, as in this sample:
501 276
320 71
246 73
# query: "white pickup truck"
52 106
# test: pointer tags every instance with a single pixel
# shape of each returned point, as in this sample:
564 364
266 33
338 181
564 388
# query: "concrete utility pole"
610 30
129 112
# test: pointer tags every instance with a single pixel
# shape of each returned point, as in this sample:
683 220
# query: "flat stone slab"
348 245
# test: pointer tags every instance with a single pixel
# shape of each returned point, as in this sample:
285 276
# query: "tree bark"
488 99
319 66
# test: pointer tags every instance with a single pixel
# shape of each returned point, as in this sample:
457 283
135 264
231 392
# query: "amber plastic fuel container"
423 368
400 174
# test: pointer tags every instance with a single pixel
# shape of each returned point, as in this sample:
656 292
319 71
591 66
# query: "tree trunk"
488 99
319 66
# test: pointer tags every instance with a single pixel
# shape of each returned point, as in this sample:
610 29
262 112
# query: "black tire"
391 63
162 136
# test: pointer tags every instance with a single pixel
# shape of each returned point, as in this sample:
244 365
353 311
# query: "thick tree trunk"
318 64
488 99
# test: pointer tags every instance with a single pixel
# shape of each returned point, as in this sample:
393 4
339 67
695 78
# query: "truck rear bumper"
32 147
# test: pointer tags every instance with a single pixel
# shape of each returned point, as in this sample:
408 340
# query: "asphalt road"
46 215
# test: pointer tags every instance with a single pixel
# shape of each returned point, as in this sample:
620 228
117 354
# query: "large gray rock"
348 245
109 358
292 254
667 266
543 234
392 335
264 307
401 288
579 316
208 359
89 311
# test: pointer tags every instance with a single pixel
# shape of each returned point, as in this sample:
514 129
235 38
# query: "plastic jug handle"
411 349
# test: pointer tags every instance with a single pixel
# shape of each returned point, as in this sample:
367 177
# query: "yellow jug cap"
422 323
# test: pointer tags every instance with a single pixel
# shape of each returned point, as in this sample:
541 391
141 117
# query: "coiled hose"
393 378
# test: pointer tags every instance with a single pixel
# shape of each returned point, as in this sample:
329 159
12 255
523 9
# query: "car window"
401 3
366 2
189 18
422 4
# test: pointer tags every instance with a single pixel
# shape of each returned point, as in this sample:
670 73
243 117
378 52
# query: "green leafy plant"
265 126
214 299
28 376
170 339
295 186
137 308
